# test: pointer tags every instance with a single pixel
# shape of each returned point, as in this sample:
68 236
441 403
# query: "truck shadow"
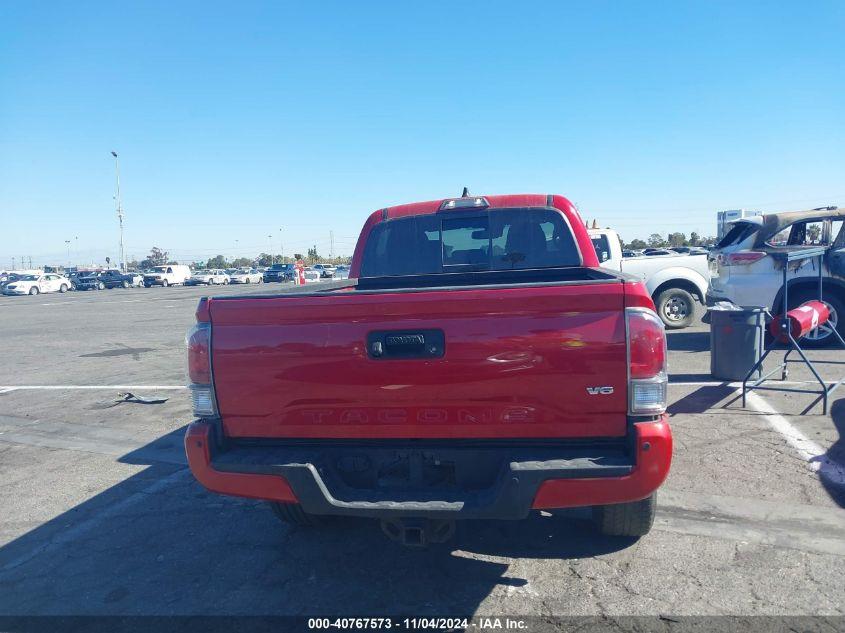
832 463
158 544
686 341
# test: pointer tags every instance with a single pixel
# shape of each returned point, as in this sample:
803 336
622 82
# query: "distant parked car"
279 272
659 251
313 275
212 277
7 278
627 253
341 272
245 276
683 250
135 279
325 270
169 275
107 279
36 284
88 281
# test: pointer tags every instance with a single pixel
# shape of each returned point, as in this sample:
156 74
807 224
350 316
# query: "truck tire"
837 317
125 284
626 519
164 283
101 286
676 308
293 514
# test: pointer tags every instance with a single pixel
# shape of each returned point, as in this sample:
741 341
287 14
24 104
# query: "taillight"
198 342
647 358
743 258
199 368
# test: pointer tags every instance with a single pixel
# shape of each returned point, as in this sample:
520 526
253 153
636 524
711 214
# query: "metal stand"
786 332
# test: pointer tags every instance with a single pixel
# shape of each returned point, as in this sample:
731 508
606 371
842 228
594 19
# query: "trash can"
736 340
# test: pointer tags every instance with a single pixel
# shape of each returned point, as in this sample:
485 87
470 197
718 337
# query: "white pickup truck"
675 282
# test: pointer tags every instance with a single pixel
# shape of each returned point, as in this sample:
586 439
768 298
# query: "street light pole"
281 247
270 237
119 211
67 243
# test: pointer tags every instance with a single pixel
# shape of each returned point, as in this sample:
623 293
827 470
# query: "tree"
637 245
814 232
264 259
677 239
218 261
655 240
242 262
157 257
312 254
694 239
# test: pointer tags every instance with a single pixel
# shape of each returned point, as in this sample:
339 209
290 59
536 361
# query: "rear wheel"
63 288
125 284
676 308
164 283
293 514
626 519
822 336
34 290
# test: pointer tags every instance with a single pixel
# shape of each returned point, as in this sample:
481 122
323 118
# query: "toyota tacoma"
479 365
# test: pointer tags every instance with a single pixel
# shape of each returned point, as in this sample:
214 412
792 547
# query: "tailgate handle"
398 345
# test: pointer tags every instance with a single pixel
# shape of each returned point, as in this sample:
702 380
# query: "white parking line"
809 451
6 388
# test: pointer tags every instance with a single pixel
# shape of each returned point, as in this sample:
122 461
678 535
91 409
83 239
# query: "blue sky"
235 120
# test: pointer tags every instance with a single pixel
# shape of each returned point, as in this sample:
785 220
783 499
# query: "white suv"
743 272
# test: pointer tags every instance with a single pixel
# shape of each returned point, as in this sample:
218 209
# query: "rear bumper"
523 479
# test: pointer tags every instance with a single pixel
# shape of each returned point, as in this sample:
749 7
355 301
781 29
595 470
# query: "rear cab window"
494 239
602 246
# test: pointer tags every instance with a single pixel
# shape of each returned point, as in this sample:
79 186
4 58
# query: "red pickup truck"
480 365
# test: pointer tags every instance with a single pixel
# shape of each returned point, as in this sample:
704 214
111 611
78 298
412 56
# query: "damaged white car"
743 272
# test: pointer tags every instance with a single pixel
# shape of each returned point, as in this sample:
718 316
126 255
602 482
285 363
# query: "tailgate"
517 362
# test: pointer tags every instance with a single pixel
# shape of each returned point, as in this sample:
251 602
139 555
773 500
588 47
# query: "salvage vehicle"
245 276
326 270
481 365
279 272
675 281
208 277
88 281
169 275
36 284
106 279
744 273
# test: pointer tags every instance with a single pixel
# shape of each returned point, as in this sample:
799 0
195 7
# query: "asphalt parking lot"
101 517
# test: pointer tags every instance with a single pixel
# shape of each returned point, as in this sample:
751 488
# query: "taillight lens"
198 342
647 358
199 367
743 258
